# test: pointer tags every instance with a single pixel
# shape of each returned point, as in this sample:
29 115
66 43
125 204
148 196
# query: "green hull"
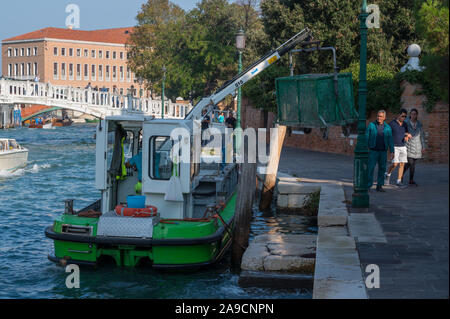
178 245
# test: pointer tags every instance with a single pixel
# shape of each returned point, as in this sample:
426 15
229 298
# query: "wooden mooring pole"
243 214
276 146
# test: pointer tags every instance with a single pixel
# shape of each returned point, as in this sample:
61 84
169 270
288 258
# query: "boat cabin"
9 144
172 165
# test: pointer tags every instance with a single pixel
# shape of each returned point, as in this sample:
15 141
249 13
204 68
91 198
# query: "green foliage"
197 48
261 89
434 80
383 87
433 25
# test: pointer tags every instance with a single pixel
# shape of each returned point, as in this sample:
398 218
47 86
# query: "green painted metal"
310 100
41 112
130 256
360 196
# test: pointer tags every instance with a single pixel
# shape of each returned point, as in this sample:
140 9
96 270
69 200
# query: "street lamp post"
162 97
360 197
240 45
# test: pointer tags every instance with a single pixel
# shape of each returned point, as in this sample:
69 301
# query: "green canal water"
61 165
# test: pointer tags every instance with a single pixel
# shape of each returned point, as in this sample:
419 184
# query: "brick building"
71 58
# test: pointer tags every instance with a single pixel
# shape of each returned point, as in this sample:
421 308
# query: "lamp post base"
360 200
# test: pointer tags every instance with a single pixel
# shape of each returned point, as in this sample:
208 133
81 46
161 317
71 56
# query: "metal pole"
162 98
238 111
360 197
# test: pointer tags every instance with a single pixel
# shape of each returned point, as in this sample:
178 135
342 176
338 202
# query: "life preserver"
148 211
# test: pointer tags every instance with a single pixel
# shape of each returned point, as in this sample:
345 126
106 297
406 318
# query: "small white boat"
12 155
48 126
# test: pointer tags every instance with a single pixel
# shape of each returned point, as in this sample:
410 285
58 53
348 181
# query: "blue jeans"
380 158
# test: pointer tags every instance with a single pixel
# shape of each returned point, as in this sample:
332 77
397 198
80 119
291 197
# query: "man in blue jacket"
379 139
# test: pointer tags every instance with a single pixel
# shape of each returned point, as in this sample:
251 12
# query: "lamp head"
240 40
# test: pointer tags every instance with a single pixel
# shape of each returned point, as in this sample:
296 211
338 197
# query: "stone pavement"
406 229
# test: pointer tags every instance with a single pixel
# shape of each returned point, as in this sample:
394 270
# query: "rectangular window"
78 52
63 51
70 52
114 55
55 51
100 54
107 54
63 71
35 69
28 51
114 73
16 69
9 52
22 52
93 68
107 73
16 52
71 71
128 74
22 69
10 69
160 163
29 69
100 72
35 51
55 70
121 55
93 54
86 72
78 71
86 53
121 74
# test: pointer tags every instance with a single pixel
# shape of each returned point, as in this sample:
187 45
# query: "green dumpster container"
311 101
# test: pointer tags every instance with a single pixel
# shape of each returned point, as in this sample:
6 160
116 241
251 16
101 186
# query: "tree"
196 47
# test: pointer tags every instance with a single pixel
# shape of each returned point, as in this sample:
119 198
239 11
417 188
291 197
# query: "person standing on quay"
379 138
400 135
415 146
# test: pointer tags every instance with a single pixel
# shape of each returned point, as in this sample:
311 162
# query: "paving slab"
366 228
336 289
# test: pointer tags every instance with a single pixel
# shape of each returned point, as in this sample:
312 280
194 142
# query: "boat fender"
148 211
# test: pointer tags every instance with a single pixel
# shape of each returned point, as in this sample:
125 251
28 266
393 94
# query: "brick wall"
435 126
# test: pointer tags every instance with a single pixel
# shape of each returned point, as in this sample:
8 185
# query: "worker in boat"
136 163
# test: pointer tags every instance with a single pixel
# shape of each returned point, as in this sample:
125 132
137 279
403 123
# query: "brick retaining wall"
435 126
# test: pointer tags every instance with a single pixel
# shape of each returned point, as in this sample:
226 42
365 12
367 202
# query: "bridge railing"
86 100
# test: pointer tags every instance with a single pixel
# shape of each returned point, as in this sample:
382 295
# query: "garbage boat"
184 215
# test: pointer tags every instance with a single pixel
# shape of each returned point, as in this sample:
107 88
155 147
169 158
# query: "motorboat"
12 155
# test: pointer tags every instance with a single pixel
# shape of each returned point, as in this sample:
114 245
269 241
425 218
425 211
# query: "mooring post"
276 145
243 214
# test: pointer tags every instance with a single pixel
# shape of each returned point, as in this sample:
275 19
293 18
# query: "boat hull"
175 244
12 160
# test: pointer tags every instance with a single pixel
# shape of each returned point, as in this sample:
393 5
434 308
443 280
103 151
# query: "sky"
22 16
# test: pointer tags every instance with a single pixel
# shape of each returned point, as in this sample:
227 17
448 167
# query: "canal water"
61 165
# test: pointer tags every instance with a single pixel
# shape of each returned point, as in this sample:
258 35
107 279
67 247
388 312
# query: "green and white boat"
190 204
192 232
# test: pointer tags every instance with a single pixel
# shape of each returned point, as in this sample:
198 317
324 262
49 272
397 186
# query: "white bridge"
88 101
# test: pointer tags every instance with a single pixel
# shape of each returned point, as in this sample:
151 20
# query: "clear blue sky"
23 16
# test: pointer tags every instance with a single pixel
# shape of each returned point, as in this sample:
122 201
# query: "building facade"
71 58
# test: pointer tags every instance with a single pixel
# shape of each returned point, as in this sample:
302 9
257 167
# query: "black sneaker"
380 189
